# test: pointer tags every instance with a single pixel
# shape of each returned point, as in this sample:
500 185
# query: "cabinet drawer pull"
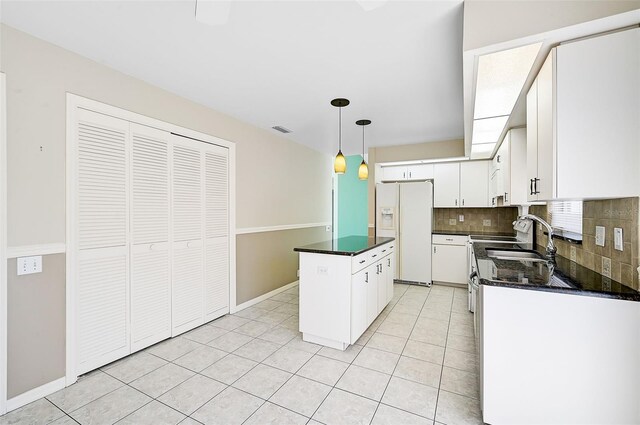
449 239
456 202
374 255
535 186
361 261
366 277
389 262
384 250
463 202
391 247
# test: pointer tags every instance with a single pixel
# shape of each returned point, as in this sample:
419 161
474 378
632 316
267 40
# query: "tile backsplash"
611 213
476 220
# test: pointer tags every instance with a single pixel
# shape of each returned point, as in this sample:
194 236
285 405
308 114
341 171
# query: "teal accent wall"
352 201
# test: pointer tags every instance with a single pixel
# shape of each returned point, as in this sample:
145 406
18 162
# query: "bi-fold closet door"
152 236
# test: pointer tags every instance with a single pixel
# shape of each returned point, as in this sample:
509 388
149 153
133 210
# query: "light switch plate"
29 265
452 222
618 242
606 267
461 218
486 223
600 235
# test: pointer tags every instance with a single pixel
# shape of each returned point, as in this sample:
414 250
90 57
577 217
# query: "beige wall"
430 150
277 262
279 182
36 335
492 22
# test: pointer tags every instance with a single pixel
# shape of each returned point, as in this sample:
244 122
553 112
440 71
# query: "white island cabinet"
344 285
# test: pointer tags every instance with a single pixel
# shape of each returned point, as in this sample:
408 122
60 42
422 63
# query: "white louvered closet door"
188 234
101 261
150 208
216 174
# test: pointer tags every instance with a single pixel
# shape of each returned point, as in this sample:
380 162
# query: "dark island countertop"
350 245
574 278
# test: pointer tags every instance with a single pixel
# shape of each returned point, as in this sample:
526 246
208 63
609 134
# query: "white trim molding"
3 245
263 297
42 249
35 394
246 230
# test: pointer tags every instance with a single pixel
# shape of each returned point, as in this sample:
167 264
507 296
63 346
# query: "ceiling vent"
281 129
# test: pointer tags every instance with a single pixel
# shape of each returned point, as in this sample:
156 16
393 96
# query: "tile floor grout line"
446 340
400 356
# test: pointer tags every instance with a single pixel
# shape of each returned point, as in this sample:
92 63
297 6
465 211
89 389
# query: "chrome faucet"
551 248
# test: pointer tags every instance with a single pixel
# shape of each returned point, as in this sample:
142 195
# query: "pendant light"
363 170
340 163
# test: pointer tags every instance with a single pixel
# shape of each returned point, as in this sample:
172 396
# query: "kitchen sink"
514 254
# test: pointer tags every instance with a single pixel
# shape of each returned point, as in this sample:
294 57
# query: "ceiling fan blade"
212 12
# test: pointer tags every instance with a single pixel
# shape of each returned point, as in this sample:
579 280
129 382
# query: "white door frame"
75 102
3 245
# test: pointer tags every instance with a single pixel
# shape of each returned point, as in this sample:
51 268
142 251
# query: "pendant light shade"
363 170
340 163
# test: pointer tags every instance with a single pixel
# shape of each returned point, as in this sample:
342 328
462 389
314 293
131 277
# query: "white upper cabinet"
461 184
407 172
582 120
598 116
474 184
446 185
508 173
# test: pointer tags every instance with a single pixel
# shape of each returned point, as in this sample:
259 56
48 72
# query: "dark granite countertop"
350 245
574 278
469 233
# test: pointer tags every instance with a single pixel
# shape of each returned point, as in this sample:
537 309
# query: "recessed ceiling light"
282 129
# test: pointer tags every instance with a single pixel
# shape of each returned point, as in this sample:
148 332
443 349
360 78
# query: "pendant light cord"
340 129
363 142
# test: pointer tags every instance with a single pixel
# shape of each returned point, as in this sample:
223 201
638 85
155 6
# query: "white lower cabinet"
340 296
449 259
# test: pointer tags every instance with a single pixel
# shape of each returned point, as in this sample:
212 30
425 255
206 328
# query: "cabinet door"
382 283
516 182
390 264
150 277
372 292
394 173
598 116
446 185
532 140
503 184
359 285
450 263
474 184
420 172
544 186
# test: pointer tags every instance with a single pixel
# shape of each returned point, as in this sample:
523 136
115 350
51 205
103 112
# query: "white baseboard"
261 298
29 250
35 394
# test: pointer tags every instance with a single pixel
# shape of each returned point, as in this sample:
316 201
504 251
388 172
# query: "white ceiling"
281 62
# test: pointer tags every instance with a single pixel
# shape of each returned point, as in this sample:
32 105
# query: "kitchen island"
344 285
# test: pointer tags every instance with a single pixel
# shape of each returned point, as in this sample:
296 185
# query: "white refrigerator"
405 211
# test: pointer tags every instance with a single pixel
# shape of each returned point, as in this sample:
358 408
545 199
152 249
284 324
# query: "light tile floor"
415 365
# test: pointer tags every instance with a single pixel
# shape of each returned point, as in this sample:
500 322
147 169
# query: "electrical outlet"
29 265
452 222
572 253
618 242
600 235
486 222
461 218
606 267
